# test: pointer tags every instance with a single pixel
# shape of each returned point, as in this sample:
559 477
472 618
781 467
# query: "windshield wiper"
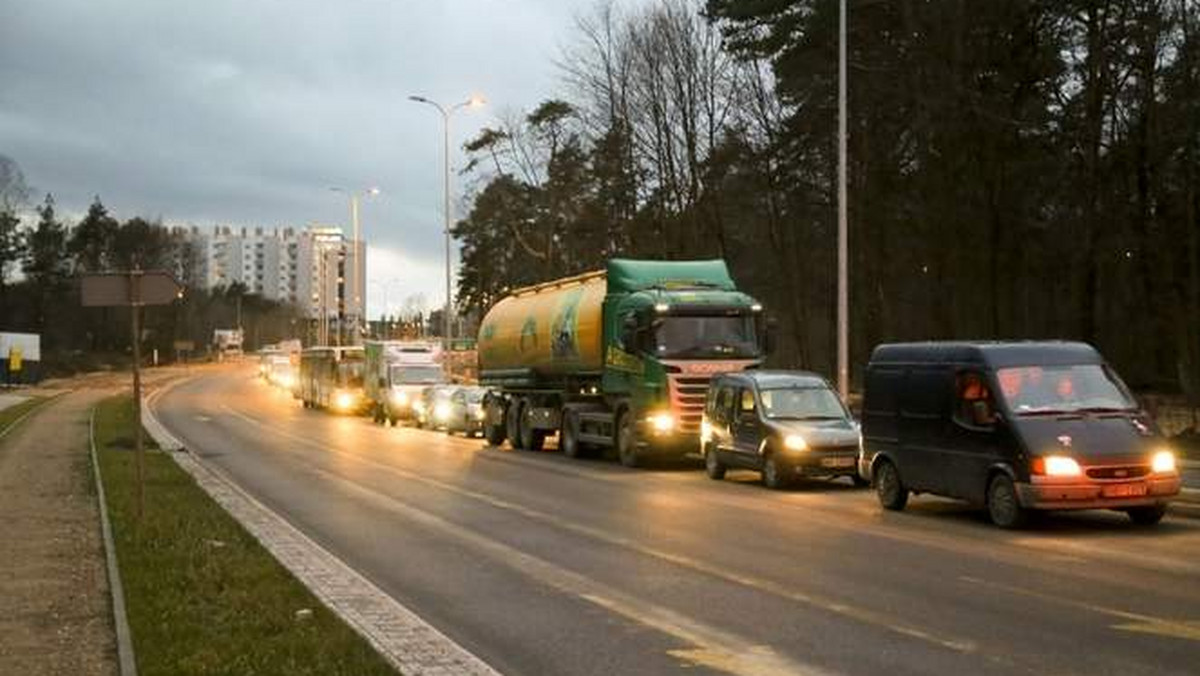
1048 411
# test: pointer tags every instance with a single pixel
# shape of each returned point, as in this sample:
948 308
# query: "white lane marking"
401 636
858 614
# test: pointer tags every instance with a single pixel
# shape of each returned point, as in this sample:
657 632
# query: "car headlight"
480 413
441 411
795 442
1163 462
662 422
1056 465
343 400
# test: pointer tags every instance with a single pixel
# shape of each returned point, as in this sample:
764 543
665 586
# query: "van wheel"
1147 516
1003 506
713 466
774 472
888 488
627 448
571 447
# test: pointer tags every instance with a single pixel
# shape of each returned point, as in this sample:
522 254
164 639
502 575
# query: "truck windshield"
705 337
350 373
801 403
416 375
1034 390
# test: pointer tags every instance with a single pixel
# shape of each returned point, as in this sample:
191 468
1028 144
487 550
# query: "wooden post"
135 307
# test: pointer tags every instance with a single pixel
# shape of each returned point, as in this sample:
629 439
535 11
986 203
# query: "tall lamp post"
356 295
473 102
843 255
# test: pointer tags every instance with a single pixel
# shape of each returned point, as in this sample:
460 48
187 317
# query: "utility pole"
139 451
843 256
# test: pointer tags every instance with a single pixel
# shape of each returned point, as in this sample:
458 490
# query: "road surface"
543 565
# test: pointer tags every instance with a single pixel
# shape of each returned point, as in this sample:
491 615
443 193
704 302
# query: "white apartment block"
312 267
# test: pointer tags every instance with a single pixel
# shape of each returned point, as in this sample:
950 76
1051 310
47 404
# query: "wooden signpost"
133 289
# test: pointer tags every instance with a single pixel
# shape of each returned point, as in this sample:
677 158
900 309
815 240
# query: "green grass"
10 415
203 597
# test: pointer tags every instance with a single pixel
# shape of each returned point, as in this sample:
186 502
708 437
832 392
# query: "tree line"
40 266
1018 169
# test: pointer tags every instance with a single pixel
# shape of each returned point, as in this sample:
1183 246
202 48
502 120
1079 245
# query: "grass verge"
10 415
203 597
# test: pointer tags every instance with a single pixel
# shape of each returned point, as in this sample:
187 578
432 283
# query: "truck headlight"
343 401
400 399
705 430
441 411
1163 462
1056 465
662 422
795 442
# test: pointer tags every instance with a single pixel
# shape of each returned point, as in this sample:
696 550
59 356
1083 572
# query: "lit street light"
355 266
473 102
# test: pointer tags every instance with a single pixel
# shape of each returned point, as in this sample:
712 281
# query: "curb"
125 656
401 637
20 419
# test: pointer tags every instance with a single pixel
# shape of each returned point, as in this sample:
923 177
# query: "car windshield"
705 337
1032 390
802 403
414 375
475 396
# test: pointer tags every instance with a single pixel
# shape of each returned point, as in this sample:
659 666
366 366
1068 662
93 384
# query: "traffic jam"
648 361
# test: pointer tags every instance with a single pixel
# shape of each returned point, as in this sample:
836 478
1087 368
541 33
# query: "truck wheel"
531 439
627 448
888 487
494 432
1003 506
570 434
713 466
1147 516
513 423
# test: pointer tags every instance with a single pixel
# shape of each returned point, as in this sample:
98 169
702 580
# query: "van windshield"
414 375
801 403
1083 388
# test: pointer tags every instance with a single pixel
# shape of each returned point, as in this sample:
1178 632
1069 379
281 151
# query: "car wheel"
1004 507
1147 516
774 472
713 466
627 448
570 434
888 488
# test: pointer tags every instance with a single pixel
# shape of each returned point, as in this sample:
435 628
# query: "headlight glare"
1057 465
662 422
795 442
1163 462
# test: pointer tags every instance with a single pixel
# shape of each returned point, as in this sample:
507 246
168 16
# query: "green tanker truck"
619 358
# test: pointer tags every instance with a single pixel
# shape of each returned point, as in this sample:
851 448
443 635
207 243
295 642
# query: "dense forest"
51 254
1018 169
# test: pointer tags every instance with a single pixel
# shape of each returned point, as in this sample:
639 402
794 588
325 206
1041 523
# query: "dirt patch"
54 605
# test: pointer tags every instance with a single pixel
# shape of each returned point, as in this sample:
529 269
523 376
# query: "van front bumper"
1096 495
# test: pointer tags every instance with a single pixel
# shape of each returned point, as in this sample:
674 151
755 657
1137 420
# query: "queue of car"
1016 428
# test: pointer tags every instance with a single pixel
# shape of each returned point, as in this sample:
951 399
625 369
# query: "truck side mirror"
629 331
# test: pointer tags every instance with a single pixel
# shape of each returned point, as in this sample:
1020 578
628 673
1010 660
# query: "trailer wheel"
494 431
571 446
531 439
512 420
627 448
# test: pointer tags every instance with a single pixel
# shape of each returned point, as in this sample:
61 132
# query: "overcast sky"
245 112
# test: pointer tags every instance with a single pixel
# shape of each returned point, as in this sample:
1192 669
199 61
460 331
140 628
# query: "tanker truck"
617 359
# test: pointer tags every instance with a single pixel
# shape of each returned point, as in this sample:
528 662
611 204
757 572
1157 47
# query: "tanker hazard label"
564 329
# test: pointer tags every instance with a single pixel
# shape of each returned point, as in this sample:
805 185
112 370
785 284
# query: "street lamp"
355 265
843 254
473 102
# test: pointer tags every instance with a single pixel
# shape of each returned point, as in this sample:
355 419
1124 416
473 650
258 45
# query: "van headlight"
1056 465
795 442
400 399
705 430
480 413
662 422
1163 462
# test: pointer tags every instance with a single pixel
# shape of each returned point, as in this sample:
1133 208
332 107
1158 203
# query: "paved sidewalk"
54 599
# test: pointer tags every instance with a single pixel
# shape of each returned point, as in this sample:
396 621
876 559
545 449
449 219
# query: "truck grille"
687 394
1118 472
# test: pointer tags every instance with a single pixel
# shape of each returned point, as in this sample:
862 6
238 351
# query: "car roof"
776 378
994 354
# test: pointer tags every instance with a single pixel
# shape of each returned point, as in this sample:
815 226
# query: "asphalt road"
543 565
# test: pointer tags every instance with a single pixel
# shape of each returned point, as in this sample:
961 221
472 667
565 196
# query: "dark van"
1013 426
783 424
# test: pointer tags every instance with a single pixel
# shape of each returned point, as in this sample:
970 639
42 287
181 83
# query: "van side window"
882 385
720 410
974 404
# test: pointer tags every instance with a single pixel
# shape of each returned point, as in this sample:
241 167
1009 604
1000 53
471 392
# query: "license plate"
1124 491
837 462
